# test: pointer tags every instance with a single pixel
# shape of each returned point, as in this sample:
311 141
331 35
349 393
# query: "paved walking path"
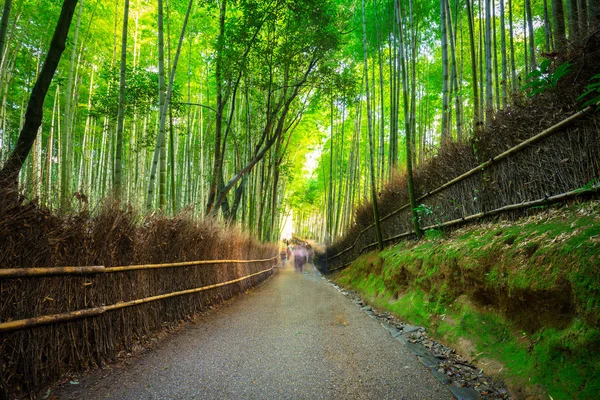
294 337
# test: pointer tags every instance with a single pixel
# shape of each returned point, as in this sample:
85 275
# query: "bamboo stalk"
90 312
472 217
31 272
493 160
6 273
182 264
50 319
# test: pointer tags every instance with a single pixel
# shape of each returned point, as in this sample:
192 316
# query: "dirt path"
295 337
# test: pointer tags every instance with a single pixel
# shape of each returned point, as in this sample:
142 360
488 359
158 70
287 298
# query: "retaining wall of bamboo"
32 237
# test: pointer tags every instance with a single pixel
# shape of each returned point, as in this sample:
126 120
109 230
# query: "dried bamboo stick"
31 272
183 264
38 272
50 319
73 315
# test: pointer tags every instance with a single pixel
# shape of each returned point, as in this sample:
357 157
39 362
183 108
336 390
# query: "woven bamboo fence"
556 165
94 311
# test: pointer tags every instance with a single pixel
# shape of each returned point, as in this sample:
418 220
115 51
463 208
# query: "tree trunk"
532 61
408 128
572 14
504 61
49 149
33 117
583 17
370 127
452 30
261 152
525 57
495 53
382 174
164 99
594 15
489 97
547 29
340 174
513 69
446 134
66 138
558 19
172 160
4 27
330 194
393 147
213 192
121 111
473 65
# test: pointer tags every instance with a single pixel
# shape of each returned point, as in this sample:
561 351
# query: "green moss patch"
524 296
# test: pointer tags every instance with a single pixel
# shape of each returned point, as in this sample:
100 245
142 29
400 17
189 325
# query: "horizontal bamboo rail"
340 267
7 273
545 133
90 312
526 204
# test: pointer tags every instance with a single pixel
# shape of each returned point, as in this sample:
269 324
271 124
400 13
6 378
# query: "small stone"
366 308
443 378
394 332
388 327
462 393
417 349
410 328
403 339
429 361
483 388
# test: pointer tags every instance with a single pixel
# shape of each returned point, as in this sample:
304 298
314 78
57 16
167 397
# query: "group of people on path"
298 252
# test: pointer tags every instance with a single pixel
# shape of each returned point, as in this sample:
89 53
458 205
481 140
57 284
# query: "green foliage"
592 89
423 210
433 234
141 91
305 196
541 79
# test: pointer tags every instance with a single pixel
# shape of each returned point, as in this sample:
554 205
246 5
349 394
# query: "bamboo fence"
526 144
90 312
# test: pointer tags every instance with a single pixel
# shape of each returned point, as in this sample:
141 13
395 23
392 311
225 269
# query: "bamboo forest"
285 199
258 110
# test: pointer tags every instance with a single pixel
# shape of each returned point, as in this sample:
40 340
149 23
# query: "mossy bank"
522 299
